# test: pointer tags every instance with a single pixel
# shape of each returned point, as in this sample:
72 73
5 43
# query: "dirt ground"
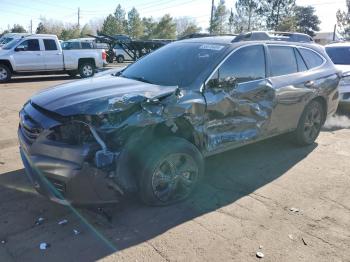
243 205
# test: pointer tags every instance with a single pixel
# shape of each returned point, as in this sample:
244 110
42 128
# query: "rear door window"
283 60
300 61
50 44
311 58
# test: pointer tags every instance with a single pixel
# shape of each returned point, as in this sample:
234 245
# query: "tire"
120 59
72 73
5 74
310 124
166 157
86 69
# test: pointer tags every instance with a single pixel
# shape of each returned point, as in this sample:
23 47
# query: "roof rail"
273 36
198 35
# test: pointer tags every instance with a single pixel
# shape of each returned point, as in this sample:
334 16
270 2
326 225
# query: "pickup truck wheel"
86 69
5 74
170 171
310 124
120 59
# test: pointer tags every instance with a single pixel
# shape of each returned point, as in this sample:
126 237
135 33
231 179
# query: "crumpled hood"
97 95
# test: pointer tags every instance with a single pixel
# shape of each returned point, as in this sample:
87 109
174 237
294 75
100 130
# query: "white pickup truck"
39 54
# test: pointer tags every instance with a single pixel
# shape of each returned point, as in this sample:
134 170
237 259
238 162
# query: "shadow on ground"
229 177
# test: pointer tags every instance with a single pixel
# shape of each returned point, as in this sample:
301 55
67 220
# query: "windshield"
11 44
339 55
5 40
177 64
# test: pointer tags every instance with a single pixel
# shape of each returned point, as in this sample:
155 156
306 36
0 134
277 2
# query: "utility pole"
211 16
334 32
31 26
78 17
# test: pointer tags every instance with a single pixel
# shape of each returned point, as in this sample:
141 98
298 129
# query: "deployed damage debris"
147 128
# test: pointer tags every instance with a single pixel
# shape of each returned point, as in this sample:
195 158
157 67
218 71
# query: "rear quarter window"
311 58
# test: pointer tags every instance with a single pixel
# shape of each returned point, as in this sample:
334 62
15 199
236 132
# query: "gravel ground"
290 203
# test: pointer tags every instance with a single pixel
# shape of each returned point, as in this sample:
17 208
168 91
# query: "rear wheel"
5 73
170 171
310 124
86 69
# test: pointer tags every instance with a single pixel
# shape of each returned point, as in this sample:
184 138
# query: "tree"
41 29
135 25
246 16
275 11
218 25
306 20
121 22
71 32
149 27
186 26
18 29
51 26
343 20
109 26
86 30
166 28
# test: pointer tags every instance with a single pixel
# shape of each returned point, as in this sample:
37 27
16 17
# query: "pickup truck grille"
28 127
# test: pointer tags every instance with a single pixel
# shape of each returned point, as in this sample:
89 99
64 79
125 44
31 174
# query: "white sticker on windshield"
212 47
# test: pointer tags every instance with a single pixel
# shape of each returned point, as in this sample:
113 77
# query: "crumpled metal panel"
239 114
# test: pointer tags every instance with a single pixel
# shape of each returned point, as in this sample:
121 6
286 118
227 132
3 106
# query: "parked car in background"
340 55
146 129
6 38
38 54
120 54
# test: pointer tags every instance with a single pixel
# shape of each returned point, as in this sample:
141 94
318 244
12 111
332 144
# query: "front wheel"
170 171
310 124
120 59
5 74
86 69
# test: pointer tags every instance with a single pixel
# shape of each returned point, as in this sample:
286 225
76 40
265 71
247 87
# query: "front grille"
28 127
58 185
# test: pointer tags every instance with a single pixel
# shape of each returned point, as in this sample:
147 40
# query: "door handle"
309 84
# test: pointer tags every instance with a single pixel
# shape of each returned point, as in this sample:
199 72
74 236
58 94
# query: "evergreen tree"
135 25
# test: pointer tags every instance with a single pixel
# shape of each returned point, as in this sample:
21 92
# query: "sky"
23 11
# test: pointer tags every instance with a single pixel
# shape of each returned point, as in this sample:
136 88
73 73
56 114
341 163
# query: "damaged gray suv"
147 129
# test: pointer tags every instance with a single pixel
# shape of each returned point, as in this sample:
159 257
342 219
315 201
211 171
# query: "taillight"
104 55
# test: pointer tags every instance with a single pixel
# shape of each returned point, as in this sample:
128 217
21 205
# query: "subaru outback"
147 129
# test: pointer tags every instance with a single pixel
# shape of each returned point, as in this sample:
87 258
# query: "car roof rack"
273 36
199 35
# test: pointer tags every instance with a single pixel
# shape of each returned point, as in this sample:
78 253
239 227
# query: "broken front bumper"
60 171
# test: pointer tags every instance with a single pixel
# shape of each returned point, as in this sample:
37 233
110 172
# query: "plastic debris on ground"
304 241
260 254
76 232
291 236
63 222
39 221
3 241
44 246
294 210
